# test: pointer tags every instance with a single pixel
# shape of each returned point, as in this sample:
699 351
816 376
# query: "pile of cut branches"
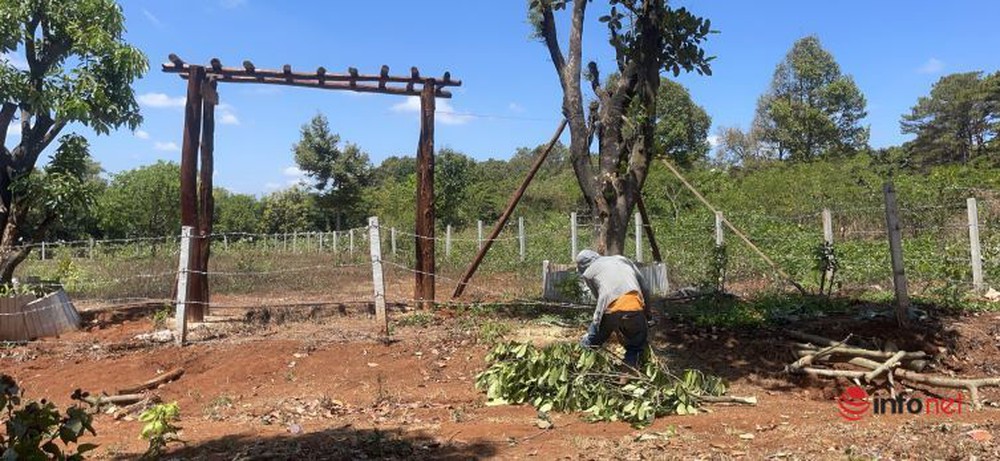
817 354
569 377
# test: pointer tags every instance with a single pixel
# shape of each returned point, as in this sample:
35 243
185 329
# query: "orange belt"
628 302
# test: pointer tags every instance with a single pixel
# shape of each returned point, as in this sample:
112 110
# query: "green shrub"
37 430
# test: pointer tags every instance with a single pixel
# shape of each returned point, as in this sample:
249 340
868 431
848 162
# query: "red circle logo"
853 403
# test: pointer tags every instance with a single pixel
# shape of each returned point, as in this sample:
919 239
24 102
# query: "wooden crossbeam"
324 84
352 80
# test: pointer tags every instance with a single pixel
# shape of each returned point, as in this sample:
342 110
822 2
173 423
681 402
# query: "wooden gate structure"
197 203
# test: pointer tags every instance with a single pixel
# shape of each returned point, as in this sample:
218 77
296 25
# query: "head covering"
585 258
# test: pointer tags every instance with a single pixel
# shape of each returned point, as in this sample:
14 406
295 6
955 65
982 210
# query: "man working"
622 302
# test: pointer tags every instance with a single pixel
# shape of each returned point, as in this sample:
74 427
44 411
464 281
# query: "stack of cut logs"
894 365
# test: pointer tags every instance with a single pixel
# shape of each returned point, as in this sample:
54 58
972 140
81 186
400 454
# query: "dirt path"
324 388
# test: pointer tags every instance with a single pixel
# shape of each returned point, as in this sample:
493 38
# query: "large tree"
648 38
76 68
958 122
811 109
339 173
681 125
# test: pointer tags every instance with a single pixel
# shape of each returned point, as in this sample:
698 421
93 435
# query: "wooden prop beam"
511 204
647 225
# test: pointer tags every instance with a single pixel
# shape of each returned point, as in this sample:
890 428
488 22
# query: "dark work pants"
631 325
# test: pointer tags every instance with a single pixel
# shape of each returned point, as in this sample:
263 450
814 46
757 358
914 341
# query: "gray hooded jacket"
609 277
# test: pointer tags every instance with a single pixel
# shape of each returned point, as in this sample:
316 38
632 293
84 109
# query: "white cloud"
445 113
160 100
515 107
151 17
272 186
232 3
14 60
713 140
141 134
166 146
293 171
932 66
228 115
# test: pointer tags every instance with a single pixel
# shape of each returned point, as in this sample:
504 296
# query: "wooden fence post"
719 236
378 282
225 242
975 252
545 276
335 242
520 237
572 236
43 251
638 237
350 243
322 237
183 278
896 252
479 230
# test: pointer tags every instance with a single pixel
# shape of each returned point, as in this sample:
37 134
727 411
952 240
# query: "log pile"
816 353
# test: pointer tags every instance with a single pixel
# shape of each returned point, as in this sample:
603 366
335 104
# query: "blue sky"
895 50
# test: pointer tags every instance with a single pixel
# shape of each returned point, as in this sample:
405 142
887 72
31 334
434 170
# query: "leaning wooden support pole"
648 228
736 231
511 204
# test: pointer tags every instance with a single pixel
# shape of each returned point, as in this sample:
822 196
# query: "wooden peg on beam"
216 65
321 74
287 69
178 62
249 66
415 76
447 77
353 72
383 76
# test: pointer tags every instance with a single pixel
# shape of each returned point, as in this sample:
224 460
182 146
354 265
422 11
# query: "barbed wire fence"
334 269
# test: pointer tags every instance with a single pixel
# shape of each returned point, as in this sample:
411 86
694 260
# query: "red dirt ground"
321 386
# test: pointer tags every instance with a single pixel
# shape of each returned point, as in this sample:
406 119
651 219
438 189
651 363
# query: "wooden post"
896 251
322 237
350 242
719 237
572 236
520 237
183 281
479 233
424 271
447 241
225 242
206 199
43 251
638 237
975 252
189 179
334 242
648 225
284 238
378 283
828 239
393 236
